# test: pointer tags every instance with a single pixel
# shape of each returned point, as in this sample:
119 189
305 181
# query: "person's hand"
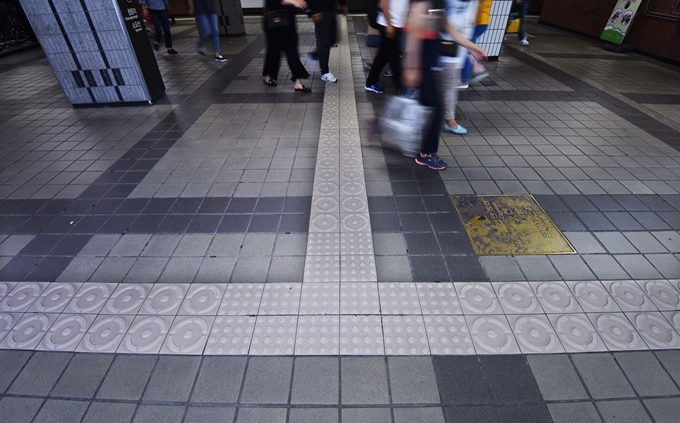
345 10
478 53
317 17
300 4
390 31
411 77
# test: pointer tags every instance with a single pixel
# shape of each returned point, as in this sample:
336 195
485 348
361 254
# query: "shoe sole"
430 167
374 91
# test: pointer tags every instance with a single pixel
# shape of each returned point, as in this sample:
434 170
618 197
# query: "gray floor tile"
363 415
313 415
637 266
40 373
267 380
11 363
83 375
502 269
316 380
286 269
100 245
251 270
146 269
161 245
219 380
113 269
419 415
80 269
258 244
671 362
61 411
389 244
556 377
572 268
582 412
627 411
159 413
215 270
670 239
510 379
260 415
412 380
460 380
19 410
110 412
393 269
615 243
13 244
172 379
645 242
193 246
664 410
364 380
666 264
585 243
602 376
210 415
525 413
181 269
127 377
646 374
466 414
537 268
605 267
290 245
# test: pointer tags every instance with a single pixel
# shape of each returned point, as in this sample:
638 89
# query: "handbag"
448 48
402 124
277 19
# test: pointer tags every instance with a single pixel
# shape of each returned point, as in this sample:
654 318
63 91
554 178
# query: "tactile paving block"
555 297
5 288
535 334
202 300
629 296
28 331
448 335
358 268
438 298
616 331
593 297
320 299
317 335
241 299
576 333
662 294
55 298
405 335
492 335
231 335
656 331
146 335
105 334
399 298
517 298
274 335
127 299
281 299
188 335
361 335
7 322
322 269
164 299
22 297
91 297
66 332
478 298
359 298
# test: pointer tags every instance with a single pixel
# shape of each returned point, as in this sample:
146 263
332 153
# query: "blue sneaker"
458 131
431 160
374 88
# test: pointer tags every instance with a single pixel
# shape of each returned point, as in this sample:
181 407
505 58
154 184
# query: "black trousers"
430 96
326 31
160 23
286 40
388 52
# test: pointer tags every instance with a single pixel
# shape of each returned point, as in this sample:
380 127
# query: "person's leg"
157 25
449 79
430 96
524 9
321 29
272 60
395 60
290 46
166 29
381 58
215 31
467 67
202 24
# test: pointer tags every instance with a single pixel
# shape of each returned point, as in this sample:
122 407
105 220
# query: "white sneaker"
463 85
329 77
524 42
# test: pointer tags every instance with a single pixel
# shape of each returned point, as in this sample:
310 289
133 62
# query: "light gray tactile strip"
349 318
340 247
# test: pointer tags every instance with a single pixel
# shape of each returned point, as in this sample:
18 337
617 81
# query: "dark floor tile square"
656 202
438 203
400 188
567 221
100 412
40 373
445 222
48 269
400 174
83 376
174 224
421 243
204 224
525 413
465 269
89 225
120 191
297 205
428 269
270 205
106 206
70 245
41 245
96 191
18 268
673 199
241 205
61 411
455 243
265 223
118 224
29 207
432 188
579 203
672 218
132 177
385 222
415 222
651 221
60 224
10 223
147 223
34 224
421 173
381 204
631 202
294 223
186 206
54 207
412 204
595 221
159 206
19 410
551 203
624 221
468 414
219 380
172 378
461 380
11 363
7 206
132 206
127 377
510 379
209 415
80 206
214 205
235 223
159 413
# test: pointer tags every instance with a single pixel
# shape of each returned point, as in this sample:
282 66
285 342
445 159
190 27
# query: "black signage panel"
136 30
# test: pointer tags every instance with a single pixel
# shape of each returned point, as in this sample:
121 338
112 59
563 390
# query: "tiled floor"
245 254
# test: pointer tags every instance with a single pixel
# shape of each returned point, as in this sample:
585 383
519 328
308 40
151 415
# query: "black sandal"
270 83
303 90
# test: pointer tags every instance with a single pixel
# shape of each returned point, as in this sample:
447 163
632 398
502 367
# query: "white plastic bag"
402 124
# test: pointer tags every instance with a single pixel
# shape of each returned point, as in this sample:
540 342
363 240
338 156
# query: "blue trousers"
524 11
207 27
467 67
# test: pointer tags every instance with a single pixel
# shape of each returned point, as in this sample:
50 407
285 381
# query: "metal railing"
14 27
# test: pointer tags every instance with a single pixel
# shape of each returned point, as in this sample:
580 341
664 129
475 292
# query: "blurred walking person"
206 19
473 71
158 11
523 12
323 14
281 33
391 20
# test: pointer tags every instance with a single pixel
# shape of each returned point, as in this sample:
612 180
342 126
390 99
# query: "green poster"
620 20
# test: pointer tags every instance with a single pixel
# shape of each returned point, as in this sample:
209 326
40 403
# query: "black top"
204 7
316 6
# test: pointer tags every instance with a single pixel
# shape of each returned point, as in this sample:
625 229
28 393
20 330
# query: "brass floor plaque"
509 225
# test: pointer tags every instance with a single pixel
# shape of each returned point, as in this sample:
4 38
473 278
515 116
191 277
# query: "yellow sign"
509 225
